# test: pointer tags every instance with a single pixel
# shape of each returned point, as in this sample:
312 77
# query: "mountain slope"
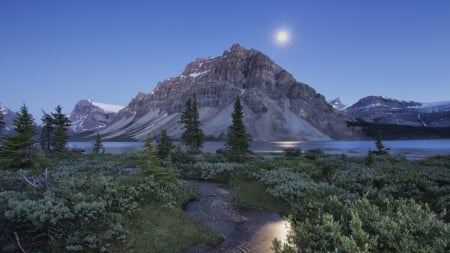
382 110
276 106
8 119
89 116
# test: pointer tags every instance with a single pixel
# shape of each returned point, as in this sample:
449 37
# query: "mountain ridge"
383 110
276 106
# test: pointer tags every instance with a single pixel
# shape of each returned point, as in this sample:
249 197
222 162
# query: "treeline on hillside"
392 131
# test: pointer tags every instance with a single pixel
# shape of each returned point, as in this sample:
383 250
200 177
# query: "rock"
276 106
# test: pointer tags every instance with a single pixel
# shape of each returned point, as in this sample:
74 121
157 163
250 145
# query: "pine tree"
61 123
199 136
46 132
53 133
151 165
172 174
381 150
98 145
165 145
237 145
18 149
193 136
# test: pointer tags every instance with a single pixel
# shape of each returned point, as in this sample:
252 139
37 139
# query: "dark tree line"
18 150
393 132
53 134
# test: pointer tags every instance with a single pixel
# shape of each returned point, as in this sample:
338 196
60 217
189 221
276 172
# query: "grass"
158 229
254 194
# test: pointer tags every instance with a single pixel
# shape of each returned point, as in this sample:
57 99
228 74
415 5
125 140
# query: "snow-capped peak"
108 107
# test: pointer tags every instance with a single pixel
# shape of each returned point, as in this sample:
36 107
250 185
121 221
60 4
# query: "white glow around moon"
282 36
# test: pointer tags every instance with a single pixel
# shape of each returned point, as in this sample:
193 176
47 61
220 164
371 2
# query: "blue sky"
58 52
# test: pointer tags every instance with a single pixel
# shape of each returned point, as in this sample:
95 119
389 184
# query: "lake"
413 149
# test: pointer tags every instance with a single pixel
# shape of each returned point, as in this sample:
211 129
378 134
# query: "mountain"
8 118
276 106
88 116
336 104
383 110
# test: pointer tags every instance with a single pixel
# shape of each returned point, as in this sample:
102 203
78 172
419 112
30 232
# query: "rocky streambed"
244 229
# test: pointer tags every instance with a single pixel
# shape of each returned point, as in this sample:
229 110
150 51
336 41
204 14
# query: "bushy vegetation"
343 204
338 204
89 203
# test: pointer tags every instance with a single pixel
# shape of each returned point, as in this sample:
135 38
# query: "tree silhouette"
18 149
192 137
98 145
237 145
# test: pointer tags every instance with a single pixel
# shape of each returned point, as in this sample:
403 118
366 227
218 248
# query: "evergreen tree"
151 165
53 133
165 145
98 145
17 149
193 136
46 131
199 136
381 150
61 123
237 145
172 174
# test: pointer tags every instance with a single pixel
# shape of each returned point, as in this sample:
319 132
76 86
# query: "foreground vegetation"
344 204
90 203
53 200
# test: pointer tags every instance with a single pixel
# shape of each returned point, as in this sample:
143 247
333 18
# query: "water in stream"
244 229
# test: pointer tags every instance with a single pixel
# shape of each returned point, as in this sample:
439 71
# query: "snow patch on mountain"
108 107
88 115
194 75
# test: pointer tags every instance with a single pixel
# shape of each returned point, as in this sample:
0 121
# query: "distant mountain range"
383 110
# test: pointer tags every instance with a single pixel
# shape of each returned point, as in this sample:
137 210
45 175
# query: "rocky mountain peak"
336 104
8 119
236 50
378 101
89 116
277 107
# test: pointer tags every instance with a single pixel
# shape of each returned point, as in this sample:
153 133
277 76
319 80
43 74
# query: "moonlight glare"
282 36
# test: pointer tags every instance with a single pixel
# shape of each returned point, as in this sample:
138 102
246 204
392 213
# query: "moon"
282 36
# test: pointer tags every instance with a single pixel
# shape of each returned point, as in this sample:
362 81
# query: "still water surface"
413 149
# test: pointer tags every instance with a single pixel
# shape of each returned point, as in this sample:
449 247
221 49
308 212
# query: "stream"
244 229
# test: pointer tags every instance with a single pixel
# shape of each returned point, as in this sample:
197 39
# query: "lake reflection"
409 148
263 237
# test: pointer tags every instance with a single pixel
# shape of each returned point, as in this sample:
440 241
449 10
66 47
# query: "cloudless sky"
61 51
